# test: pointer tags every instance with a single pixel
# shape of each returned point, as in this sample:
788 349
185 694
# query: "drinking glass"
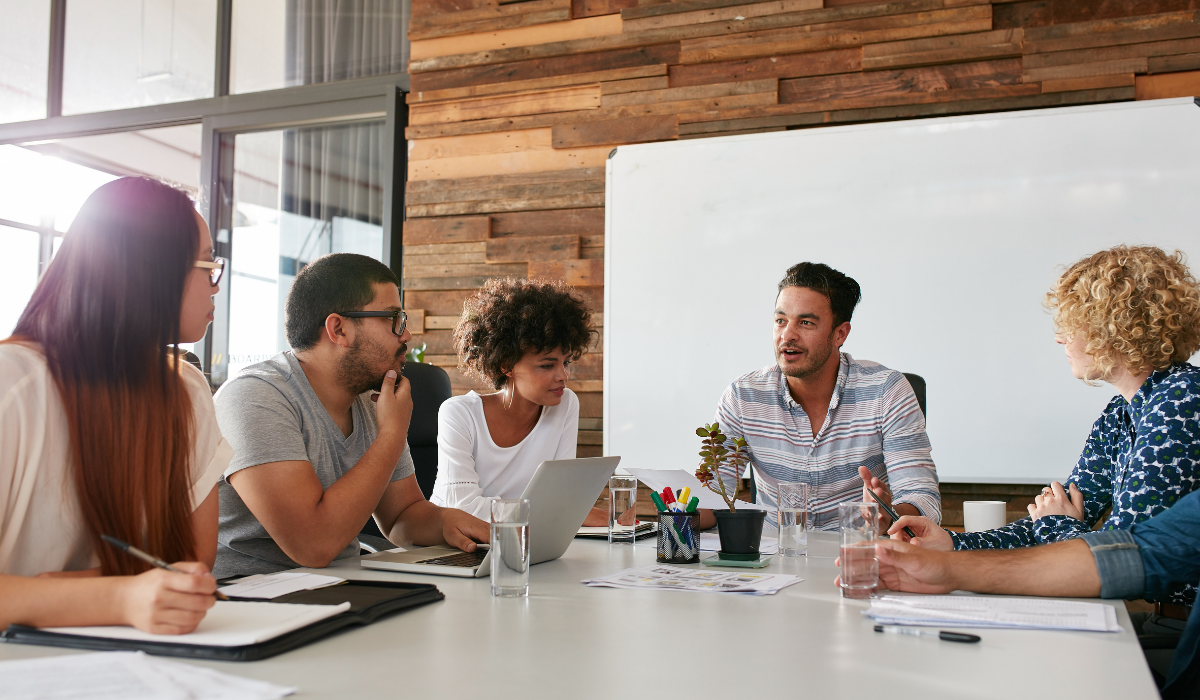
793 518
510 548
860 568
622 506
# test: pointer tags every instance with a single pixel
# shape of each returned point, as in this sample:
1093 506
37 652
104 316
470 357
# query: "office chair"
430 387
916 381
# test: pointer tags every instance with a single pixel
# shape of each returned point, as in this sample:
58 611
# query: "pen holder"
678 537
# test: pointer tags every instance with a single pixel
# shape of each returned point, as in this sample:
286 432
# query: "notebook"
642 530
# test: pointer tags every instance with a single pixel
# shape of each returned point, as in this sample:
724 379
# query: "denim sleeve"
1011 536
1119 562
1170 546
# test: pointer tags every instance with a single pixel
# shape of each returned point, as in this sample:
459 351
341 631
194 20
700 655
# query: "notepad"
227 624
983 611
269 586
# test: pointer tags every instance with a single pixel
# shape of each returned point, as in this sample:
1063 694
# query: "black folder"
369 601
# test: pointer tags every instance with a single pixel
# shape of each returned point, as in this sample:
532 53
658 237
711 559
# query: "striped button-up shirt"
873 420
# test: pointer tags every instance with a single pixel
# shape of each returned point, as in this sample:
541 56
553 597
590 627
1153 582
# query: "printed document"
982 611
658 479
677 578
268 586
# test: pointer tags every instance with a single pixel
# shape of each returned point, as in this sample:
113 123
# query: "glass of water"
792 497
622 506
860 568
510 548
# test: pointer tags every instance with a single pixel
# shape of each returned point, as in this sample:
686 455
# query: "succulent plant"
714 455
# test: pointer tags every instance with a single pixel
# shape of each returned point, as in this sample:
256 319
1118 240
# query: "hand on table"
903 567
1055 501
598 517
463 530
164 602
929 535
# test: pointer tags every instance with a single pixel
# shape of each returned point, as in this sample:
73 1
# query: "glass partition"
24 59
298 194
133 53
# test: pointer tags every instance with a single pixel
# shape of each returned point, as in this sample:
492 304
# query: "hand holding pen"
169 599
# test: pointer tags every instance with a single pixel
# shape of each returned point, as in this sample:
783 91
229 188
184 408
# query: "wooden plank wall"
516 105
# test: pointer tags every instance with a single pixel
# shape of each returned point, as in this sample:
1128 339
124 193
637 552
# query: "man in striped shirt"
822 417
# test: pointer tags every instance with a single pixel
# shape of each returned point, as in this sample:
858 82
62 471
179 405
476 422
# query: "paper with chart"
658 479
981 611
227 624
126 675
677 578
269 586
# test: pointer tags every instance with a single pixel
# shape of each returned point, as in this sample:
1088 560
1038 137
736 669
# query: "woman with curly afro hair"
1129 317
519 336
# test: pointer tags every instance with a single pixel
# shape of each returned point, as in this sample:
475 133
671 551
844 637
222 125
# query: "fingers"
403 389
1057 489
389 383
196 580
1076 498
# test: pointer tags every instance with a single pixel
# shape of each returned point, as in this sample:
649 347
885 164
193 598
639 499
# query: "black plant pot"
740 532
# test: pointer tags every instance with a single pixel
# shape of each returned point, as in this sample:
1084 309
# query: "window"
24 59
133 53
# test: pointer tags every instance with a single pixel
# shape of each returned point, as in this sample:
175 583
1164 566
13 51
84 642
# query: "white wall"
954 227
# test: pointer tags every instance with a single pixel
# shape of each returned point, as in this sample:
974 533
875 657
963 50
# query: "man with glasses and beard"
316 452
821 417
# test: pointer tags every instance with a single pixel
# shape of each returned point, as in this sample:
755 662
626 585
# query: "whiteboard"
954 227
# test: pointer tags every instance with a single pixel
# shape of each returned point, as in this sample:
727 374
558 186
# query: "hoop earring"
512 390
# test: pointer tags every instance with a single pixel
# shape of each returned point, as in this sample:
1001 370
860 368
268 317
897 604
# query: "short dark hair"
510 317
328 285
842 291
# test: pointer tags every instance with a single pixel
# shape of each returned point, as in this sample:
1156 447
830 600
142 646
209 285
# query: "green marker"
658 502
693 504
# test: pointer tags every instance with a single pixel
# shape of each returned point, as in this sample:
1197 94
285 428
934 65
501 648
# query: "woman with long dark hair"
105 429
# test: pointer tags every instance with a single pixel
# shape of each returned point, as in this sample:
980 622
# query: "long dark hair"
104 314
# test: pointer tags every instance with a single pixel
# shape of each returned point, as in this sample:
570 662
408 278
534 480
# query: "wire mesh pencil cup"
678 537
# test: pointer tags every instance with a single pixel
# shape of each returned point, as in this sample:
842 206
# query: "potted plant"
740 530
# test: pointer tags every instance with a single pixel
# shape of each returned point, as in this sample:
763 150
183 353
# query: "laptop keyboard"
467 559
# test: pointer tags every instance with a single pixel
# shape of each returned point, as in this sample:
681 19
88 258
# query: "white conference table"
567 640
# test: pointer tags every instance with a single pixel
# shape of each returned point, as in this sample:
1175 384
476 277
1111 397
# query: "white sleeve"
210 452
569 440
457 483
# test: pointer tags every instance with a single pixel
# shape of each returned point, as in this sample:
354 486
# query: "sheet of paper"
711 542
677 578
658 479
269 586
126 675
227 624
983 611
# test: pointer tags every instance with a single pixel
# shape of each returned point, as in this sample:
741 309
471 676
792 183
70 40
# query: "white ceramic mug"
983 515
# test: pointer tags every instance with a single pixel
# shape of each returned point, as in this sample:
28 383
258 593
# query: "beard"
815 359
360 370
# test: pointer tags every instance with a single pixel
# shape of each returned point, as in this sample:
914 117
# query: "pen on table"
941 634
891 513
149 559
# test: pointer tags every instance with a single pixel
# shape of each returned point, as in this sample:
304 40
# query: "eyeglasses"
399 318
216 268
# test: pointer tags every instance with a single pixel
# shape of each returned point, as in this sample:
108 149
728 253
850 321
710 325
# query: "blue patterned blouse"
1140 458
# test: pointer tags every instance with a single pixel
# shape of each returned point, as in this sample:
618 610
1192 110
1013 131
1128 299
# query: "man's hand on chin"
463 530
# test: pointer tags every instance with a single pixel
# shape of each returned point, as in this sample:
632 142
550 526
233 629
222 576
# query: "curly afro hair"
510 317
1135 305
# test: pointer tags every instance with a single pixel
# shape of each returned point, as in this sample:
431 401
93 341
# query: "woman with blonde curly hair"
520 336
1129 317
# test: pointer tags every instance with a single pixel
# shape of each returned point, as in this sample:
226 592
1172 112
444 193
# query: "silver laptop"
560 495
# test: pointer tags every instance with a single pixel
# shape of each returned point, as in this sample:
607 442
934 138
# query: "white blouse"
41 528
473 470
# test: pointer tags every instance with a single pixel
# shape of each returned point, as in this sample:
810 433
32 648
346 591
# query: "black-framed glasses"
215 267
399 318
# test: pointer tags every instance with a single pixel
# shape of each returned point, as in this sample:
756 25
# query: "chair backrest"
430 387
918 386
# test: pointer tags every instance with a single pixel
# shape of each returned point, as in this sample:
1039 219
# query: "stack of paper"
269 586
676 578
126 675
657 479
979 611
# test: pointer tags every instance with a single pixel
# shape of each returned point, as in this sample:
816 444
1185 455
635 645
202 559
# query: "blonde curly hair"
1136 306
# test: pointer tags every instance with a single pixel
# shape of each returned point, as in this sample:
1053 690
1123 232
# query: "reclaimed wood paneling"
515 107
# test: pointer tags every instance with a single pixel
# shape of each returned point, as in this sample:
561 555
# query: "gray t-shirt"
270 413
